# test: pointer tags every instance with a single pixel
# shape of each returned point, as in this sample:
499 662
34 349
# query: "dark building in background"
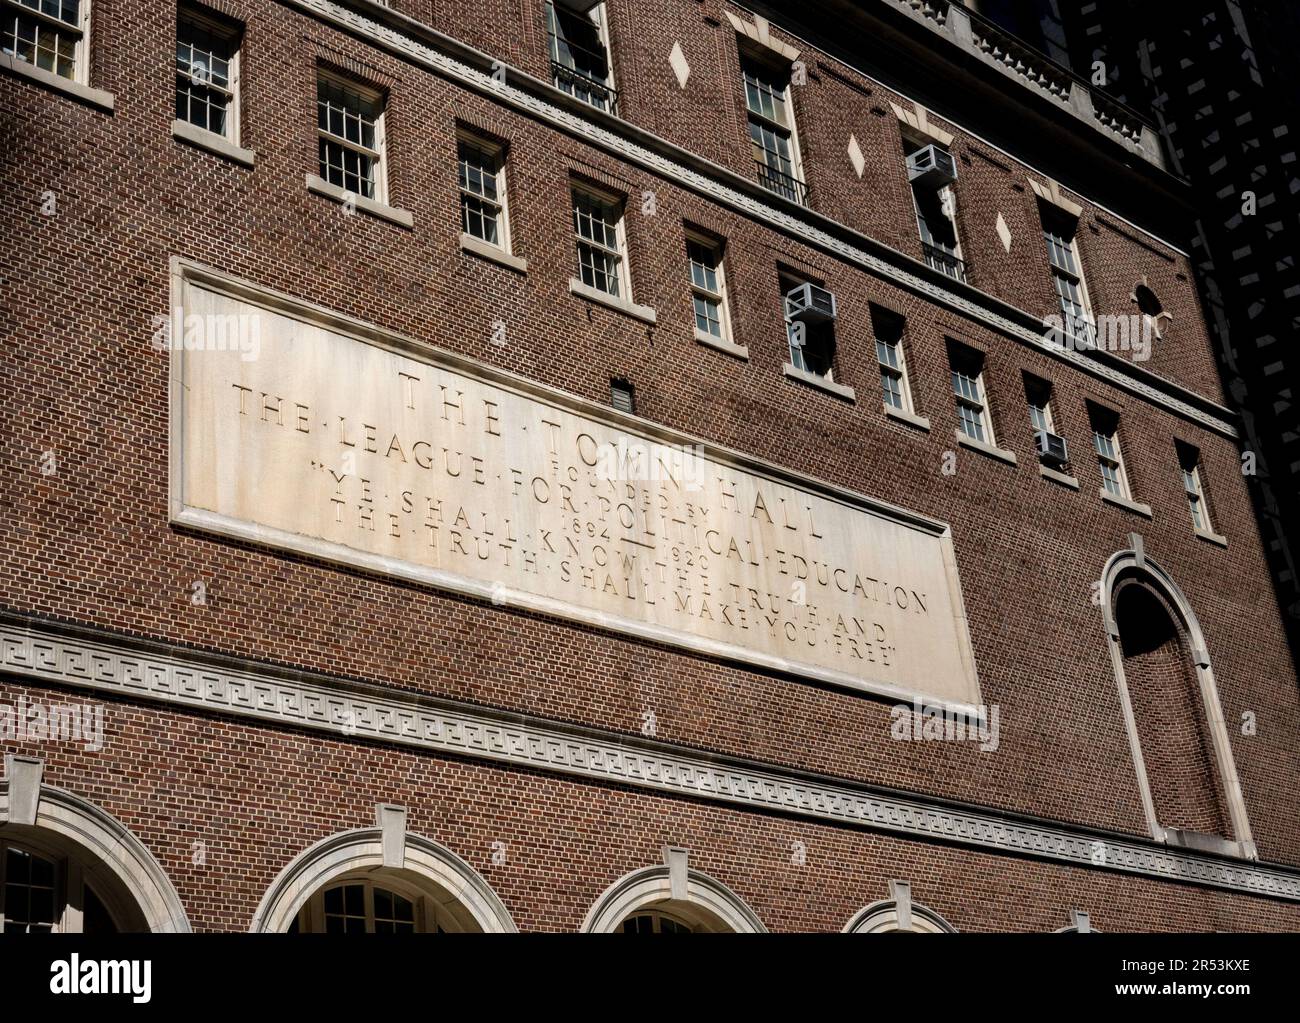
1219 78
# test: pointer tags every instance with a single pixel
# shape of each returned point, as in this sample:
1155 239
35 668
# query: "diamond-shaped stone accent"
678 61
855 155
1004 232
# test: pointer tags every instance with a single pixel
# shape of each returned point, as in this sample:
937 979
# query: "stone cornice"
473 69
37 651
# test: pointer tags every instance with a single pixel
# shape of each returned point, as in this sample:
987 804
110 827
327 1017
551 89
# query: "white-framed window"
350 132
967 367
1039 395
207 73
811 337
481 172
1189 464
654 922
602 243
704 259
580 61
43 891
772 132
888 328
1060 233
363 905
1110 456
936 221
53 35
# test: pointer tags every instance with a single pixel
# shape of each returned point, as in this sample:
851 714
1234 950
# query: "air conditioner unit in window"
810 304
932 166
1052 449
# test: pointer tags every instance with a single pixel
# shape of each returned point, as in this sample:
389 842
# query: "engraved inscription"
360 450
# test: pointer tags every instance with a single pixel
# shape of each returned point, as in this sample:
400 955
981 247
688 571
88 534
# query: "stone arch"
416 862
1170 703
897 914
121 868
701 902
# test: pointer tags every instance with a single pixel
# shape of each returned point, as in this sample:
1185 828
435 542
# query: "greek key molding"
714 185
41 652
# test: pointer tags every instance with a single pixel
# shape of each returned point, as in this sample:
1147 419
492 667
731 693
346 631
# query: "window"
771 129
42 894
362 907
967 366
1052 449
1105 438
894 387
1063 257
598 226
1039 395
29 893
483 191
580 64
1189 463
810 326
350 122
50 34
708 288
653 923
207 74
622 395
1150 307
936 218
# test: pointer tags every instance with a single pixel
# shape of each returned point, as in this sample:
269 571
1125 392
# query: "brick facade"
91 543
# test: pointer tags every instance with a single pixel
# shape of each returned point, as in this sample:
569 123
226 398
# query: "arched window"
898 914
68 867
655 922
362 905
1150 308
1187 778
380 880
670 899
44 889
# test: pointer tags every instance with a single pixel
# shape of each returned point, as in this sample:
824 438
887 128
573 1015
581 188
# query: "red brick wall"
92 542
1170 719
257 797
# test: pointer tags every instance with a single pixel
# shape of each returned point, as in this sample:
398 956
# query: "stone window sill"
1215 538
820 383
492 253
620 305
1136 507
394 215
1199 841
726 347
212 142
1048 473
910 418
992 450
48 79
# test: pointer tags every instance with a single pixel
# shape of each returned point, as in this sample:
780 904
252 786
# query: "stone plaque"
297 428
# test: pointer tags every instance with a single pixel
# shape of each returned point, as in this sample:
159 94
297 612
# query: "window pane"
52 48
893 393
29 893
